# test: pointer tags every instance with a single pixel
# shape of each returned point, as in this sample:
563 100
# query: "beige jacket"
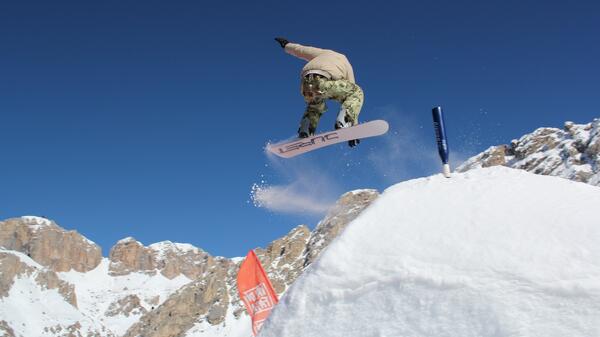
322 61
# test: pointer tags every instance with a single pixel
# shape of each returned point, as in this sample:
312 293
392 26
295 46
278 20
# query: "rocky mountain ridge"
168 258
195 292
572 153
50 245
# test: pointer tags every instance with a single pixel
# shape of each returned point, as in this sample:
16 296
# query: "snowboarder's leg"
315 105
351 96
311 117
351 105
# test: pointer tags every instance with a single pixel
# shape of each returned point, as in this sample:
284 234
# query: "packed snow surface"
491 252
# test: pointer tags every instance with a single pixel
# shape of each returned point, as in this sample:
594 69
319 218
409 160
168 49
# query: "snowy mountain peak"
164 247
36 222
572 153
49 245
127 240
168 258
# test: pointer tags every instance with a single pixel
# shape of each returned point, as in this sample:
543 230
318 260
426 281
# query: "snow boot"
343 121
305 130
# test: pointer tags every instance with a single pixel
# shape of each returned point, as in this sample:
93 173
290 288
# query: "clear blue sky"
148 119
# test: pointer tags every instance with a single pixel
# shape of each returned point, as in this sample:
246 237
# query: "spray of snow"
311 189
408 147
406 150
291 198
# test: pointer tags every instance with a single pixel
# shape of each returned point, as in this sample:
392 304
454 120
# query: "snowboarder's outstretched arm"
303 52
298 50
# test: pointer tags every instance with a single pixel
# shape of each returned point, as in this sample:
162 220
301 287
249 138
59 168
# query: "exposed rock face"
170 259
572 153
129 255
12 267
75 330
206 297
128 305
210 297
174 259
6 330
49 245
283 259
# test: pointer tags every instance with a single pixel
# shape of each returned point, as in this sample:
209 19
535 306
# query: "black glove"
282 41
354 142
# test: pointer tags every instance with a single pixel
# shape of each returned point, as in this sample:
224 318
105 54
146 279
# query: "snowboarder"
327 75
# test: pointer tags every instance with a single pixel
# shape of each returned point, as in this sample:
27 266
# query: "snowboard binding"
343 121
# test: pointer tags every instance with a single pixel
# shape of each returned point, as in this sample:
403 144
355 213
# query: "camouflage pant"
318 89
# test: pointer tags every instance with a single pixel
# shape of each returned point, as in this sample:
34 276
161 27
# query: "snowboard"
303 145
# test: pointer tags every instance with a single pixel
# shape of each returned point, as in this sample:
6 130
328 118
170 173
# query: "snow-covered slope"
491 252
35 302
119 301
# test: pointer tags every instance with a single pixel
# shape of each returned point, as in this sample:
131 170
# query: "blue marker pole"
440 137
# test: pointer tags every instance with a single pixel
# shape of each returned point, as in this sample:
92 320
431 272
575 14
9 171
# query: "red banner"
255 291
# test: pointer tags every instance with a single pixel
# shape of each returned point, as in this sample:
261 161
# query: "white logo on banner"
258 299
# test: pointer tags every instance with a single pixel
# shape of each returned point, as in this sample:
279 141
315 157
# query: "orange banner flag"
255 291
